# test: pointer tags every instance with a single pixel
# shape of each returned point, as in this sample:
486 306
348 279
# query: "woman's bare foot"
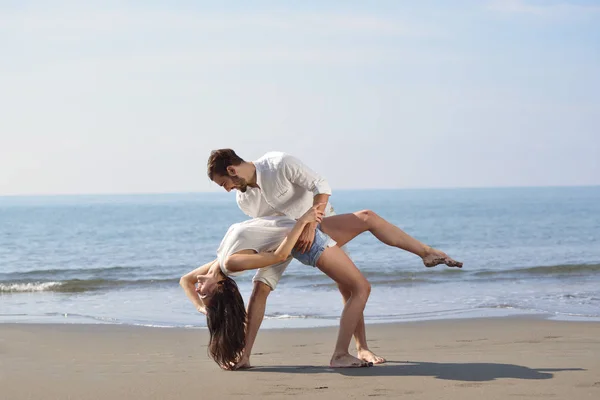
347 361
244 363
435 257
368 356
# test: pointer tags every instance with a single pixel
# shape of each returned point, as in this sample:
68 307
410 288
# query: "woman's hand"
312 215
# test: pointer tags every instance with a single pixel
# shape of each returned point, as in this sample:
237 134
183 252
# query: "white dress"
261 235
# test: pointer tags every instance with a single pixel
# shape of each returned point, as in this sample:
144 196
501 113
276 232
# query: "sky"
131 96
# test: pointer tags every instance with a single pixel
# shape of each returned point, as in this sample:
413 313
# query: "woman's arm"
242 262
188 283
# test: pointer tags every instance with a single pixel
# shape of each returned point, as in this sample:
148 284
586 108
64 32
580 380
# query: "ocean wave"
79 285
112 271
539 311
287 316
61 271
29 287
550 270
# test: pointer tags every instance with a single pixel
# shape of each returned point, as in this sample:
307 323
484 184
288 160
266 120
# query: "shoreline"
460 358
521 317
275 323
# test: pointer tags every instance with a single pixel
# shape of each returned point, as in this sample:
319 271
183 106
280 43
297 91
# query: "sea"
117 259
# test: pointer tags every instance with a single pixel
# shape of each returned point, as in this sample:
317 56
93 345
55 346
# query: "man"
275 184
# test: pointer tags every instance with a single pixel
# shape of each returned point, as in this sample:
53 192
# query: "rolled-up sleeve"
297 172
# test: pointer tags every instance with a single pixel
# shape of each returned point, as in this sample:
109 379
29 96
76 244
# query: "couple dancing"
291 217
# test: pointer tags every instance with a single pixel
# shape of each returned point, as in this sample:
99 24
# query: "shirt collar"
258 167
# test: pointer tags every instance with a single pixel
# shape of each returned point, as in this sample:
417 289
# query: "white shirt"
286 187
261 235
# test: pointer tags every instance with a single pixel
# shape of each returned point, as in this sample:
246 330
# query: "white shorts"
271 275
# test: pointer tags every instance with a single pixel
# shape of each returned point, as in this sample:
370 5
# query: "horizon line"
338 190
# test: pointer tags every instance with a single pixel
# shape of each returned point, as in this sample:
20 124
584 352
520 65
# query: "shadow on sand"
470 372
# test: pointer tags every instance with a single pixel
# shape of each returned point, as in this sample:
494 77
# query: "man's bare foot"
369 356
244 363
435 257
347 361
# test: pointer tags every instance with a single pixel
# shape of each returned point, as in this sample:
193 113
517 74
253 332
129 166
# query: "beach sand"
499 358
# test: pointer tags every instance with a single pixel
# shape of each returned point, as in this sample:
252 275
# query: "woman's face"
206 287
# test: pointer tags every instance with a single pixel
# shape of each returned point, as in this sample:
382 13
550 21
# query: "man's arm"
298 173
188 283
307 236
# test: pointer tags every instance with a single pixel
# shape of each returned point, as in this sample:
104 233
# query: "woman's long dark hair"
226 320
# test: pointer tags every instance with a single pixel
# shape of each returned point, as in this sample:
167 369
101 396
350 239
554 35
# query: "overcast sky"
131 96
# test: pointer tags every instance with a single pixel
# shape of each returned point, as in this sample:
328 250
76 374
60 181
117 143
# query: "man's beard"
240 184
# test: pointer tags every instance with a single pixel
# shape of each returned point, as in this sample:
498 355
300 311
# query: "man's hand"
307 238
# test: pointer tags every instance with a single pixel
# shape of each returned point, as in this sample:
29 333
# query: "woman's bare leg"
336 264
345 227
360 335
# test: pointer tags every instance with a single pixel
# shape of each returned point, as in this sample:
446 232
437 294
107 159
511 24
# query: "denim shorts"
310 257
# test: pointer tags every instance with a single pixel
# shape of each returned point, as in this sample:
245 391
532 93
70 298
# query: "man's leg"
345 227
360 335
256 313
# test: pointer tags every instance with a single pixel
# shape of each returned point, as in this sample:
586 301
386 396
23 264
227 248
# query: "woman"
265 242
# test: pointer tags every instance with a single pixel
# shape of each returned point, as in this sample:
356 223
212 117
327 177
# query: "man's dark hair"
219 160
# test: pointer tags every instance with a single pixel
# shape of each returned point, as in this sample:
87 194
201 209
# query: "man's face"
231 182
